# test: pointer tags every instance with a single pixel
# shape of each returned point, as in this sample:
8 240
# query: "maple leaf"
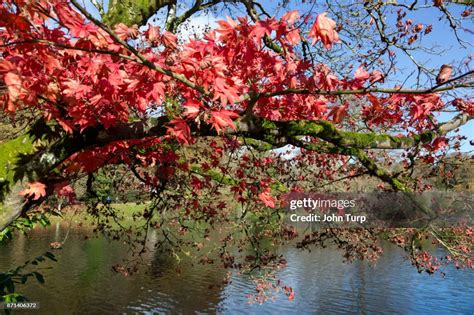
227 29
124 32
158 91
222 119
376 76
66 125
262 28
225 90
191 108
439 143
293 36
291 17
76 89
73 20
361 74
65 190
14 85
324 78
6 66
324 29
180 130
36 190
338 113
464 106
267 198
100 39
19 22
153 34
169 40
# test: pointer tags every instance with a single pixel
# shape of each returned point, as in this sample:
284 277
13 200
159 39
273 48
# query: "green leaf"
39 277
43 222
10 286
50 256
7 233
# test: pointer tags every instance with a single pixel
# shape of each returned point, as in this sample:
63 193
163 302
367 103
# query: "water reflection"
83 282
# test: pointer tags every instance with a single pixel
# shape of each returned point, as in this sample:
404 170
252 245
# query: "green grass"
123 210
128 209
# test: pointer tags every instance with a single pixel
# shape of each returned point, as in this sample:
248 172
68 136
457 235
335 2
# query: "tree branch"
130 12
367 91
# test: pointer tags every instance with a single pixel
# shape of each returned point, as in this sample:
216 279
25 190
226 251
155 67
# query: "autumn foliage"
142 97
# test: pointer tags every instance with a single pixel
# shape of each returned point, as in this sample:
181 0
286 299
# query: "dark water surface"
82 282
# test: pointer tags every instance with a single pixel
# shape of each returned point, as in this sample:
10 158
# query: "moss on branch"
257 144
130 12
347 143
327 131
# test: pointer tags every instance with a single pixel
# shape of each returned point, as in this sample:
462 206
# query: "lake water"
82 282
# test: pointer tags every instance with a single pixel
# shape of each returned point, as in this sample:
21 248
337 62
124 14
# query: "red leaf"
124 32
464 106
267 199
35 190
324 29
180 130
439 143
158 91
226 90
73 20
76 89
6 66
15 86
222 119
291 17
293 37
291 297
227 29
262 28
169 40
66 191
153 34
338 113
376 76
361 74
191 108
